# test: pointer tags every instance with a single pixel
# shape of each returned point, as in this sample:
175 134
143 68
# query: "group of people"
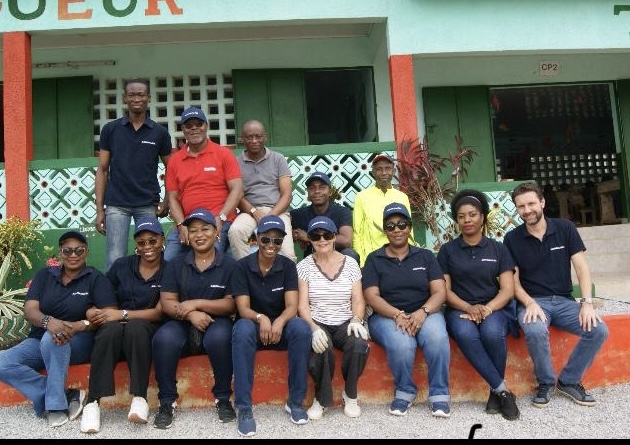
200 290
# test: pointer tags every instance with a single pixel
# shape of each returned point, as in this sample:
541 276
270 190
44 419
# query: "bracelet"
45 320
399 312
359 319
179 224
486 307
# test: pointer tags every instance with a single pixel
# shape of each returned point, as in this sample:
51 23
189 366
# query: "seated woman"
479 274
60 335
331 301
405 287
125 332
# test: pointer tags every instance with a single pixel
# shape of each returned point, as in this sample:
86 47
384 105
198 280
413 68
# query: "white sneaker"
351 407
91 418
139 411
316 411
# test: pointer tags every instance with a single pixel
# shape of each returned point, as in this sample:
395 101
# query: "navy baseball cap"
72 234
318 176
382 157
322 222
193 113
271 222
395 208
201 214
150 224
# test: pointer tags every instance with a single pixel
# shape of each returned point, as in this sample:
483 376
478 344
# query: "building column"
18 121
403 97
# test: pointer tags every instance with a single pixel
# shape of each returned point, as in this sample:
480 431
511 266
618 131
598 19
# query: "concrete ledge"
612 366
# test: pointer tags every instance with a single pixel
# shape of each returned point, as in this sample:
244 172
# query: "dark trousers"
114 342
353 360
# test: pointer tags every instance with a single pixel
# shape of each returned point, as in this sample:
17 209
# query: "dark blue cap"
201 214
319 176
193 113
323 223
270 222
395 208
150 224
72 234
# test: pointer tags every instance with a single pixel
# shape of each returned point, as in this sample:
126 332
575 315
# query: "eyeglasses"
402 225
254 137
194 124
151 242
267 240
317 236
78 251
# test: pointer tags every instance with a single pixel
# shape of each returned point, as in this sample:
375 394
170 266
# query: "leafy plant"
19 237
10 306
418 176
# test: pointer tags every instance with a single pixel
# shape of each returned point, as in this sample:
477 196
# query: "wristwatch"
125 315
258 316
86 323
426 310
588 300
222 217
253 210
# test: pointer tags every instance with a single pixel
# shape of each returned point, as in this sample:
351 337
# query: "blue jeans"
20 368
117 221
401 354
296 338
561 313
170 343
174 248
484 344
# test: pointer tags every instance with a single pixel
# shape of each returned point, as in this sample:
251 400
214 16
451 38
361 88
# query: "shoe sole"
440 413
136 418
250 434
492 411
398 413
578 401
227 419
540 404
162 427
297 422
515 417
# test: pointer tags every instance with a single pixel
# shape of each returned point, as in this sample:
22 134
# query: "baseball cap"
201 214
382 157
395 208
322 222
193 113
318 176
72 234
150 224
271 222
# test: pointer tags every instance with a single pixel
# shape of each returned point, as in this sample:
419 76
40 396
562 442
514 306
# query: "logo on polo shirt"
209 169
80 294
217 286
419 268
276 289
557 248
491 260
148 142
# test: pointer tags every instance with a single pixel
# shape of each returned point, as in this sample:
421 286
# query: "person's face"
195 131
322 240
254 137
529 207
73 253
270 243
383 172
397 229
318 192
149 245
469 219
137 97
201 235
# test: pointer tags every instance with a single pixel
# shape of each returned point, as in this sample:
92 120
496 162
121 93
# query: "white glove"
355 327
319 342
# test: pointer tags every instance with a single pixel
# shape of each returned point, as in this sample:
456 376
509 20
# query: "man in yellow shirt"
367 216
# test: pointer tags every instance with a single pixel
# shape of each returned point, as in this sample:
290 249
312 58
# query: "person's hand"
357 329
319 342
588 317
162 209
99 224
533 312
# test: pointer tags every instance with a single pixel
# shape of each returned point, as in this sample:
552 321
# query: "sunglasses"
78 251
317 236
402 225
267 240
191 125
150 242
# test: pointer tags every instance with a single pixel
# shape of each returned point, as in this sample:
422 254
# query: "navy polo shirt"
266 293
403 284
133 164
90 288
132 290
182 277
545 266
474 270
340 215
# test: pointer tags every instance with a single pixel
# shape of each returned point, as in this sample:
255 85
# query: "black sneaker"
225 410
494 403
543 395
577 393
508 410
164 417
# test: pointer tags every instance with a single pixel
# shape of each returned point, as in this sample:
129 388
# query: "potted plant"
17 239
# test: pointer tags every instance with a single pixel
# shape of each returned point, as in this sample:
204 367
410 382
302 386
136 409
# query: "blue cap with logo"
323 223
271 222
319 176
72 234
200 214
395 208
150 224
193 113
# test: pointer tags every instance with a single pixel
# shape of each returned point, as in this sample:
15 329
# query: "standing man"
544 250
368 208
126 183
267 190
319 192
201 175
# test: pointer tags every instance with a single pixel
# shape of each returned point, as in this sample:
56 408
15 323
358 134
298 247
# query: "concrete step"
614 286
607 250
